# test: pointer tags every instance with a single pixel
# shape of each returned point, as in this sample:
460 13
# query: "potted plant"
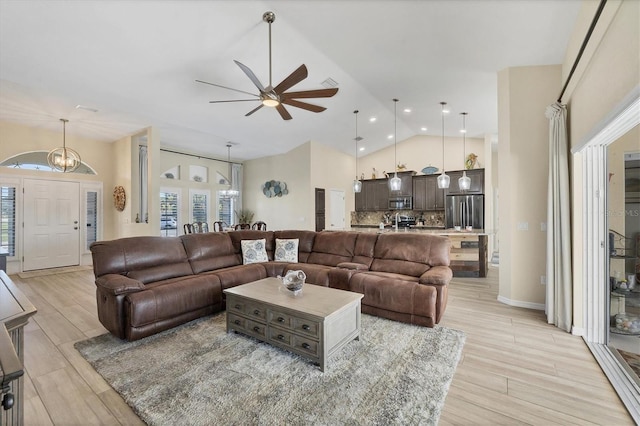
244 216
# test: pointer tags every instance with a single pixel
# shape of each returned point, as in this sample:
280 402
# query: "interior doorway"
320 211
336 209
51 236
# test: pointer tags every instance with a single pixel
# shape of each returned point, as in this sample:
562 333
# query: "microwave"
401 203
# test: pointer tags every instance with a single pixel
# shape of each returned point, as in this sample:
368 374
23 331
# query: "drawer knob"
306 327
280 319
256 329
280 337
256 312
306 345
237 322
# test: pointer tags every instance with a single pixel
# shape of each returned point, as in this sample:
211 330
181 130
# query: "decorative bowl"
293 281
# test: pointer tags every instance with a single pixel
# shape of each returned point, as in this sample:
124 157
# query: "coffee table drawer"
256 329
280 319
237 322
307 346
279 336
247 308
306 326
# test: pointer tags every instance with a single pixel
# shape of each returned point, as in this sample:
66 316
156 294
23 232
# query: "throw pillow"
286 250
254 251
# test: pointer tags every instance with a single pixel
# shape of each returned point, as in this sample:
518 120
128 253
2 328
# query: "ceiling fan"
276 97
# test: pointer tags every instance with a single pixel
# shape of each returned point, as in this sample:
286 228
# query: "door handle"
75 222
75 227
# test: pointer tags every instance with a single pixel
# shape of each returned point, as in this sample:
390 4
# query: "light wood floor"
516 369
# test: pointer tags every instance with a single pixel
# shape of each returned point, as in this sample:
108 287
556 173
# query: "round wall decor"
274 188
119 198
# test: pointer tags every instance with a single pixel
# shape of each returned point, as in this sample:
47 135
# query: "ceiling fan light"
464 183
270 102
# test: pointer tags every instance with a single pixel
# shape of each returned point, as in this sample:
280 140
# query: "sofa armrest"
353 266
118 284
438 275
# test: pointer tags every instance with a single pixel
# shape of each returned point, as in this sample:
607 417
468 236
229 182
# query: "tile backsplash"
430 218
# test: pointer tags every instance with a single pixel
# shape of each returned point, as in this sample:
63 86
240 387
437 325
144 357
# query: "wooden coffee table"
314 324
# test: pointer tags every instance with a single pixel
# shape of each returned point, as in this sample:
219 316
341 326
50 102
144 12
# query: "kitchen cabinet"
477 182
374 196
426 194
406 185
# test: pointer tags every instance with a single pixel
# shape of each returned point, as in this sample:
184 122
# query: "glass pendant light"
443 179
395 183
357 184
64 159
464 183
231 192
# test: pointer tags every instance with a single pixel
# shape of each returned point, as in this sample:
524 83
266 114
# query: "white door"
51 224
336 209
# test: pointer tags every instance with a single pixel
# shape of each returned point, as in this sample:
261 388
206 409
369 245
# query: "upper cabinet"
426 194
374 195
477 182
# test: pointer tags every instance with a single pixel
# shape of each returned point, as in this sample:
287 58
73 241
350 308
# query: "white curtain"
144 180
559 306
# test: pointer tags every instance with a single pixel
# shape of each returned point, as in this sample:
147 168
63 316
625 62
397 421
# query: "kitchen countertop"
416 229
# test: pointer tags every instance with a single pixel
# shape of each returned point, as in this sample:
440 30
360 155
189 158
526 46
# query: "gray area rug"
197 374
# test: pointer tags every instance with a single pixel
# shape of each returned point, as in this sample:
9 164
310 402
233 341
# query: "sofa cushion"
132 257
253 251
210 251
286 250
410 254
363 250
331 247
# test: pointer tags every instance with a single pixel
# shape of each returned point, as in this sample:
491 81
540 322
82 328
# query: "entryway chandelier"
64 159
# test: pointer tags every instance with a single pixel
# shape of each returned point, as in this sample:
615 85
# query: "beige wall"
418 152
524 93
608 72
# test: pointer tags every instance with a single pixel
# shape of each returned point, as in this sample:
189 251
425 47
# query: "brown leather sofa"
148 284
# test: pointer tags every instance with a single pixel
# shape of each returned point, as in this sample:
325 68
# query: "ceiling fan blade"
303 105
319 93
234 100
253 110
294 78
228 88
283 112
251 75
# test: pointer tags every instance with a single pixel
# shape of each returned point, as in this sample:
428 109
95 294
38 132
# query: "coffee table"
314 324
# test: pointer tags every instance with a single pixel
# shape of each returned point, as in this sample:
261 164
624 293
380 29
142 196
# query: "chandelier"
230 192
64 159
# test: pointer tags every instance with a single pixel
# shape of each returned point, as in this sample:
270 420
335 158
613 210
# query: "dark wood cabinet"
406 184
374 196
426 194
477 182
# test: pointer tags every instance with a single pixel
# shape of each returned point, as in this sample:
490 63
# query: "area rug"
197 374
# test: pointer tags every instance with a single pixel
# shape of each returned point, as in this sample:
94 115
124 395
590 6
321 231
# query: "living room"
592 97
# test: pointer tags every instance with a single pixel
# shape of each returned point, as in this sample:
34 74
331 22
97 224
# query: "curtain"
559 297
144 180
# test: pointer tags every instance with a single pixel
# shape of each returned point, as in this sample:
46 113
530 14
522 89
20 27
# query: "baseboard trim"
521 304
578 331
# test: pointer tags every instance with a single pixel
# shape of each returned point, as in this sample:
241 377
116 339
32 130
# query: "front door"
51 224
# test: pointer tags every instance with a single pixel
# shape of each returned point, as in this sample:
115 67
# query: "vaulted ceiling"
136 63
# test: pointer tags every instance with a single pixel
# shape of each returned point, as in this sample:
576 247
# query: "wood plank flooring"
515 368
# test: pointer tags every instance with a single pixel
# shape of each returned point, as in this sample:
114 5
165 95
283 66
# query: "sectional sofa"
148 284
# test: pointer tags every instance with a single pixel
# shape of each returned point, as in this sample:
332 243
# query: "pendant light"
464 183
357 184
231 192
64 159
395 183
443 179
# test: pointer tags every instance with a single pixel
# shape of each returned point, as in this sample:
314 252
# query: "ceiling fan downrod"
269 17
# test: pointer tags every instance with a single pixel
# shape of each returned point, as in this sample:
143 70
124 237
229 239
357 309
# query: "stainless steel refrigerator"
464 210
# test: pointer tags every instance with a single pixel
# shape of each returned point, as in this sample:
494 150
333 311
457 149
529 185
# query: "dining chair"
242 226
188 228
219 226
200 227
259 225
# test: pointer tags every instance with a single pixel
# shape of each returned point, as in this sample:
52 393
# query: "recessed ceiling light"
372 119
407 110
463 130
424 129
390 137
362 148
446 110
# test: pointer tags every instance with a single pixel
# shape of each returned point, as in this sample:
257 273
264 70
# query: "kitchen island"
468 248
